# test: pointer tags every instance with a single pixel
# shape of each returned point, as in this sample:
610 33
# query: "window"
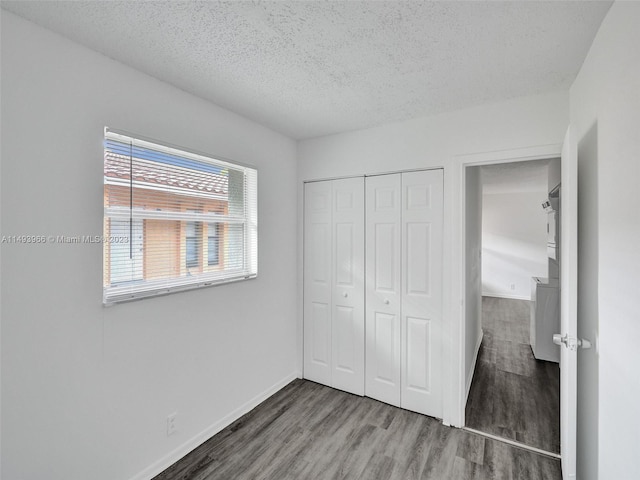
174 220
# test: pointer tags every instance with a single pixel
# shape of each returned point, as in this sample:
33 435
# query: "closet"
373 287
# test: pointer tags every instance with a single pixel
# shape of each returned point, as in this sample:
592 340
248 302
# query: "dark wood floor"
513 395
308 431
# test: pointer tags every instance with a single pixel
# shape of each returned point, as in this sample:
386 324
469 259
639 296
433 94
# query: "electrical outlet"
172 423
513 286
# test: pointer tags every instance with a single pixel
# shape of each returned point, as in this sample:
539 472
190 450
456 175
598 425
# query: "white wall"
473 272
605 112
433 141
439 141
554 174
85 389
514 242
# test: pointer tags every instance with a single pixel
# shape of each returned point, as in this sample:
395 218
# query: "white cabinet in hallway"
404 290
334 283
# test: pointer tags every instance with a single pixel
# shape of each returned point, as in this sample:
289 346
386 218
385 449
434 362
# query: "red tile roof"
117 167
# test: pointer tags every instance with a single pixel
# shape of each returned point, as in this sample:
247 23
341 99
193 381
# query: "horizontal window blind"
174 220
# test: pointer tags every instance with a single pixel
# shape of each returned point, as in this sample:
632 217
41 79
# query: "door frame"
455 329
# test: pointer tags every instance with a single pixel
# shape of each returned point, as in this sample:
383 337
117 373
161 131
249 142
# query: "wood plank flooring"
308 431
513 395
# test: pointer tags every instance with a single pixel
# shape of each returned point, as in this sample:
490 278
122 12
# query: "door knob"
571 343
386 302
345 294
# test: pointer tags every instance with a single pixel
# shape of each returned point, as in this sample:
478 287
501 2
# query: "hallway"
513 395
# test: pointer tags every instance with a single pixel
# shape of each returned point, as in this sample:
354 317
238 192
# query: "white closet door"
348 286
422 205
383 262
334 284
317 282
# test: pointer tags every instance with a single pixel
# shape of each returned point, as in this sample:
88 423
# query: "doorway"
513 391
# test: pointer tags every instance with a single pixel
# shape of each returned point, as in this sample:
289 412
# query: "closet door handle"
386 301
345 294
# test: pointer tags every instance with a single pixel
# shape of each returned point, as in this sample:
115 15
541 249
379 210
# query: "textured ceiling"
311 68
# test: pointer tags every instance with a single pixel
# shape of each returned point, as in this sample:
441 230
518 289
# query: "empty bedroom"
272 240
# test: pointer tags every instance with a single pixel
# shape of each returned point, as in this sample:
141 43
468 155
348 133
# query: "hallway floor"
513 395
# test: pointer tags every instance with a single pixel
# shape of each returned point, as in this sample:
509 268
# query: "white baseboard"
473 367
506 295
168 460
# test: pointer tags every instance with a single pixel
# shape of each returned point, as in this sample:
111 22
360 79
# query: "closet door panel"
348 285
418 253
384 343
383 287
319 331
421 324
418 341
345 341
385 244
317 282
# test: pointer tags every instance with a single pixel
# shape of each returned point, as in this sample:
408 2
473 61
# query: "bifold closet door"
421 364
334 284
404 290
384 294
317 281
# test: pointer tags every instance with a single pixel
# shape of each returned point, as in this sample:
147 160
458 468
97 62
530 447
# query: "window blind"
174 220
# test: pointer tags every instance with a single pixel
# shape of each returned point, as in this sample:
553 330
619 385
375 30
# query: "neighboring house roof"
117 168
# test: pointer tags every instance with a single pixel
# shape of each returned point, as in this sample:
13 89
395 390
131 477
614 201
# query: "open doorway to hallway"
515 389
513 395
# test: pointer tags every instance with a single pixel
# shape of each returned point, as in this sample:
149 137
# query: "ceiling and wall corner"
309 69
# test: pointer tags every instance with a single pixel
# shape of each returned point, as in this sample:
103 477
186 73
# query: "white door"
334 284
384 294
347 324
568 305
317 282
422 206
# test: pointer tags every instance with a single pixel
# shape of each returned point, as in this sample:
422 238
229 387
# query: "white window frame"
248 219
